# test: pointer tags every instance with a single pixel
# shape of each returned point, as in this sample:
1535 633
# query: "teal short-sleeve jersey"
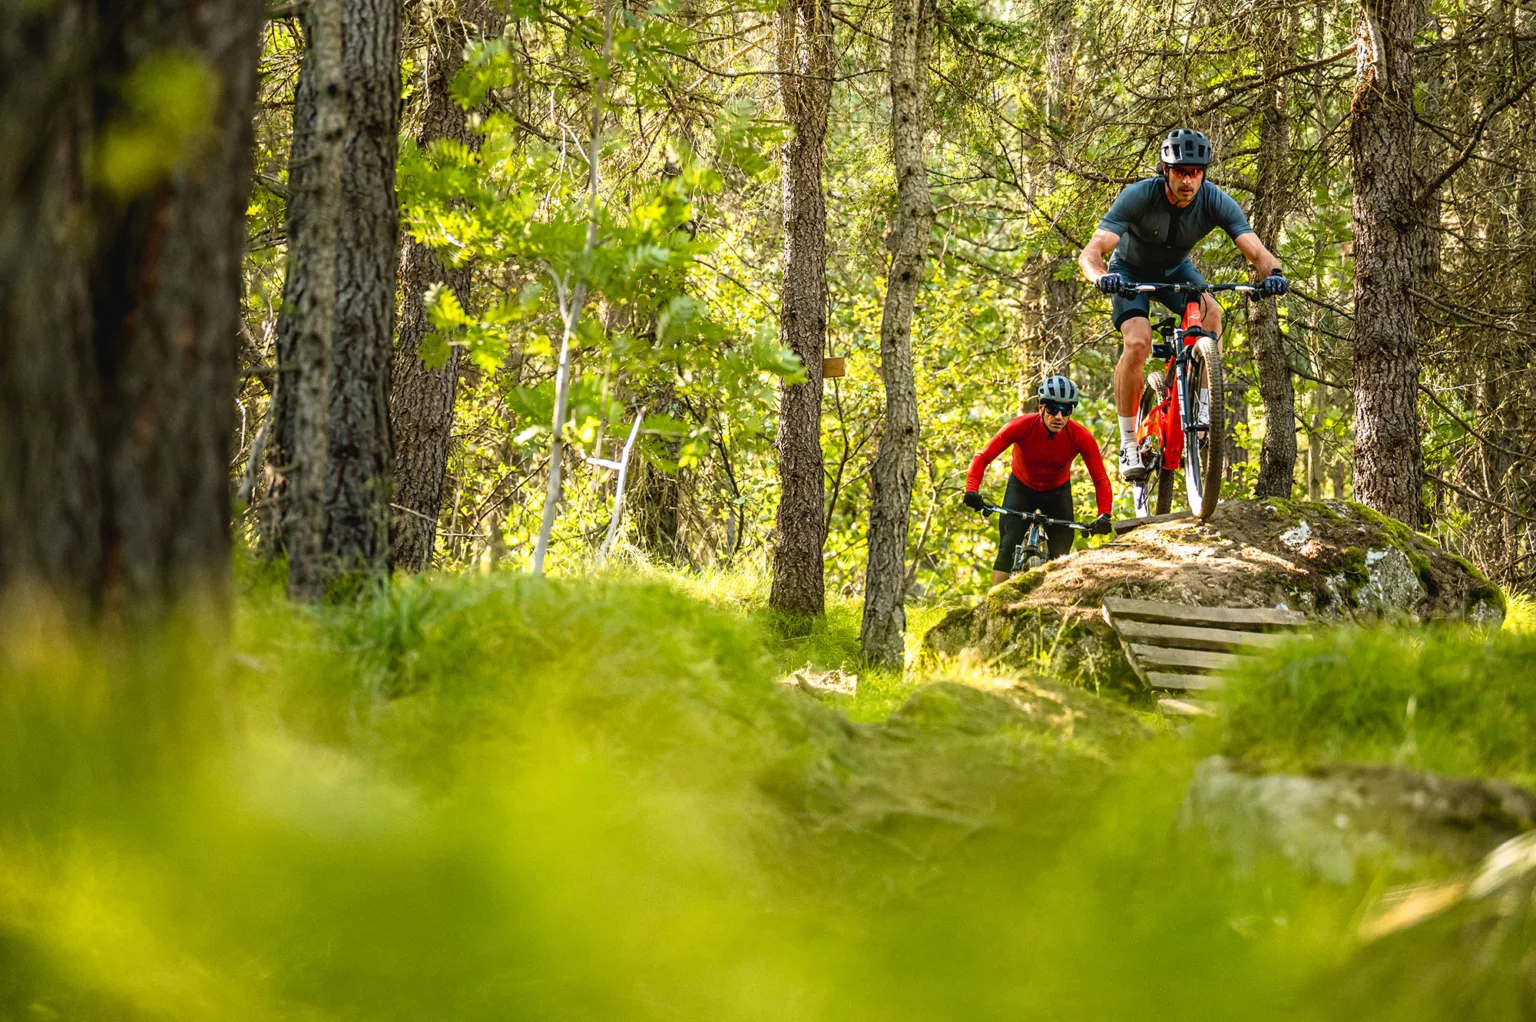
1156 236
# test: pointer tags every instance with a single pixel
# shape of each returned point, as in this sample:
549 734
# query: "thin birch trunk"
571 301
884 624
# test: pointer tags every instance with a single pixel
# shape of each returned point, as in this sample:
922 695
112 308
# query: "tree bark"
1050 292
1388 234
329 457
805 84
1277 457
422 400
358 468
314 216
119 307
1049 298
881 634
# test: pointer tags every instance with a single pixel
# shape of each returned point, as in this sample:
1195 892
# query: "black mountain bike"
1031 553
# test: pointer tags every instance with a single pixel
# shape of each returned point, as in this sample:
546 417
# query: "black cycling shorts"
1140 305
1055 503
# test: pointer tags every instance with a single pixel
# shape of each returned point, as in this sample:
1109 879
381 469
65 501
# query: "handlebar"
1193 289
1028 516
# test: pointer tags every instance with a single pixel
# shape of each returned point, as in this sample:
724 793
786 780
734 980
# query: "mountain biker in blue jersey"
1151 228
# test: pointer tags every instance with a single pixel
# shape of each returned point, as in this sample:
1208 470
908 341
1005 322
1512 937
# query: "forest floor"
494 796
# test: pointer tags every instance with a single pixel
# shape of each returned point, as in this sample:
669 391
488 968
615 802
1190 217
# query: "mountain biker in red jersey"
1151 227
1044 446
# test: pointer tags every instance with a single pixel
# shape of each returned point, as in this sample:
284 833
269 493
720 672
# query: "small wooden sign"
832 368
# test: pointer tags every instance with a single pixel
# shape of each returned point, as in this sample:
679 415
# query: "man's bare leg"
1210 316
1130 377
999 577
1130 371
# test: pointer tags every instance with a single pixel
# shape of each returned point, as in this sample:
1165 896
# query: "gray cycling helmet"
1187 147
1058 389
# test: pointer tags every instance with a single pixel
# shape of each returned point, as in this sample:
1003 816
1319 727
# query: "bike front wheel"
1204 447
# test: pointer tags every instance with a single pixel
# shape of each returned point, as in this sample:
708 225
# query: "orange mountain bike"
1180 422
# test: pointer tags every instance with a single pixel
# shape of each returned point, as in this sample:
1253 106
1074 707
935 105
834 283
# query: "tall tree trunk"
1277 457
315 232
1388 460
1051 281
805 84
1315 467
1049 298
119 304
329 455
359 465
421 399
895 466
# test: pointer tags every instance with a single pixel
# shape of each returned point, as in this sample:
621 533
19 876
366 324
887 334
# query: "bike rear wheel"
1204 449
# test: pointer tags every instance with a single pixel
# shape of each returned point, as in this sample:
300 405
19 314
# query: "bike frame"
1175 417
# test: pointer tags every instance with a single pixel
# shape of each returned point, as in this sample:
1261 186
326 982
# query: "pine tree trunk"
805 83
1388 234
1049 298
422 400
119 309
1277 457
315 222
359 465
881 635
278 525
1050 292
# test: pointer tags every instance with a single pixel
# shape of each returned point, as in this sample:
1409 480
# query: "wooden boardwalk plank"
1127 524
1184 614
1186 637
1168 656
1182 682
1187 707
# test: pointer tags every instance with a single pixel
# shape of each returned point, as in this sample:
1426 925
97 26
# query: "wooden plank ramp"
1125 525
1179 649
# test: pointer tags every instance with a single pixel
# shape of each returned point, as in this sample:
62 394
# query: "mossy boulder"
1332 560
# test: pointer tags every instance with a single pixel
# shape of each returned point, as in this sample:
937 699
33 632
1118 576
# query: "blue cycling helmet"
1186 147
1058 389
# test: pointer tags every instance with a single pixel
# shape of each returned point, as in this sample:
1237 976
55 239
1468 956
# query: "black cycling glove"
974 502
1111 283
1101 526
1275 284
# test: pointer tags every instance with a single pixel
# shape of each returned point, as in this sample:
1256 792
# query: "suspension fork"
1190 332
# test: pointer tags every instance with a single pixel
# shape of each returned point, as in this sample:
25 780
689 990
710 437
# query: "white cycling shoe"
1131 466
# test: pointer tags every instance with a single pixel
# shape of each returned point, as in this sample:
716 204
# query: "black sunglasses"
1056 408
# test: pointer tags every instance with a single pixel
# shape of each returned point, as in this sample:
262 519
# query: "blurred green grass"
506 797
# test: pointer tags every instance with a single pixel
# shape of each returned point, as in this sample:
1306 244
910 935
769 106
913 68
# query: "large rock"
1333 820
1334 561
994 754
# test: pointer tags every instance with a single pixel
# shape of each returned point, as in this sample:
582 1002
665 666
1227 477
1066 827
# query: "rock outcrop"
1333 820
1332 560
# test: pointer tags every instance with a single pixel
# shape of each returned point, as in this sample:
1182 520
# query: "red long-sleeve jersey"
1042 461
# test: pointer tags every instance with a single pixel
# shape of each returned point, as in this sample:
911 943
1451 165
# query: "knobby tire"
1164 491
1203 453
